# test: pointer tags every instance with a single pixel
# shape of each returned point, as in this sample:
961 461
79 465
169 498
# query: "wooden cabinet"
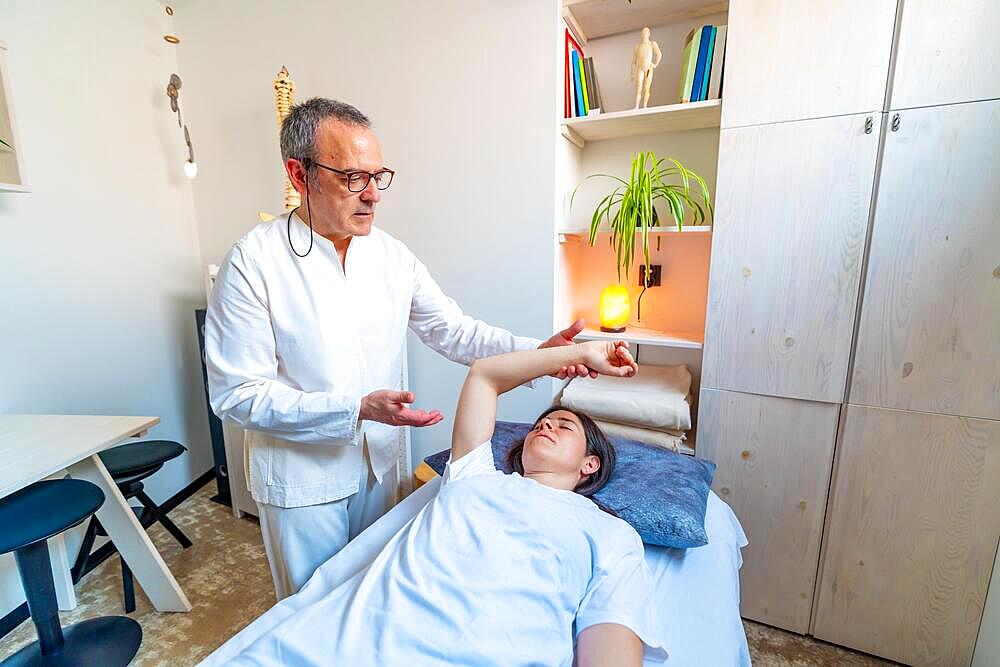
947 53
797 59
790 229
774 457
929 328
912 534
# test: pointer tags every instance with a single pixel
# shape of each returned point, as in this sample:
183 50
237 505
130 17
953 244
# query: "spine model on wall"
284 95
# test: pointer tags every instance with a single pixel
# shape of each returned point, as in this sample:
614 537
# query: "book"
688 61
580 109
699 70
574 108
583 87
592 89
572 86
718 64
703 95
567 91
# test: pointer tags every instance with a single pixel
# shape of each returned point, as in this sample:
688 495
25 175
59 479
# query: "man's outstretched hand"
390 407
565 337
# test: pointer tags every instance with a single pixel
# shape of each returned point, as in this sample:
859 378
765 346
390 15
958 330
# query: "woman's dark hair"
597 445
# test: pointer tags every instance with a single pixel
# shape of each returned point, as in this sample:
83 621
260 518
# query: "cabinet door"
947 53
797 59
790 229
774 457
913 527
928 337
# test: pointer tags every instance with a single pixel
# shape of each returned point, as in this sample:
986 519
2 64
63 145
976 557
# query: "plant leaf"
629 208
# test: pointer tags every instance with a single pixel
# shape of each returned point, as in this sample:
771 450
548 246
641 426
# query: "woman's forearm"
488 378
508 371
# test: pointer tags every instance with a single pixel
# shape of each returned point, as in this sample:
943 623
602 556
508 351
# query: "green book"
689 62
583 87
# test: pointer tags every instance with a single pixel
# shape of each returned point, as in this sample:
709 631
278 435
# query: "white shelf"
578 235
640 336
653 120
600 18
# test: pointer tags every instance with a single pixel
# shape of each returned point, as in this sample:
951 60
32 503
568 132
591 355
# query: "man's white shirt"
293 343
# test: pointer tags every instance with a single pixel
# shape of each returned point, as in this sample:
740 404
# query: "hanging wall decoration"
174 92
171 39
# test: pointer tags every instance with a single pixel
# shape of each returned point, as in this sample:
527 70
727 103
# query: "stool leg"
80 566
164 521
128 587
39 589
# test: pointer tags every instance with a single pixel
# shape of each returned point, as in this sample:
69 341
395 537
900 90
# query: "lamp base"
610 330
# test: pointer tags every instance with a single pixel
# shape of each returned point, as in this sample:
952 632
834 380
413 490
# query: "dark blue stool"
128 465
29 517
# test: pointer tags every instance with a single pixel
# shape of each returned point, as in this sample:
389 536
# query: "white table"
33 447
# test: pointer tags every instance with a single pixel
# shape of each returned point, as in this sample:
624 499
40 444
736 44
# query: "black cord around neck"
309 214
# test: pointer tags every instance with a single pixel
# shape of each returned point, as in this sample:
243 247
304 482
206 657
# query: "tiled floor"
226 578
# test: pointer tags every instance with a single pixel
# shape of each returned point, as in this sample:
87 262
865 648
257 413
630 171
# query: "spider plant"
4 144
630 206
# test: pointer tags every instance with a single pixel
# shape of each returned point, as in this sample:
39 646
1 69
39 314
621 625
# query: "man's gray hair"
298 130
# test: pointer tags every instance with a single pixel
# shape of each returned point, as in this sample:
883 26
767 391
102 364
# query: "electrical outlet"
654 275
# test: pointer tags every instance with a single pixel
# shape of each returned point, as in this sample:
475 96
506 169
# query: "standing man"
305 340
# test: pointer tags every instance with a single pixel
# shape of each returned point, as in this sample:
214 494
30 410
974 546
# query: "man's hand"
389 407
565 337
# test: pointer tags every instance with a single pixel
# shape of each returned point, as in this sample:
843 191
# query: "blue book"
576 77
699 71
708 64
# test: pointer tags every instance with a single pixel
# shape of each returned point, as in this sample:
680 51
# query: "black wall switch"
654 275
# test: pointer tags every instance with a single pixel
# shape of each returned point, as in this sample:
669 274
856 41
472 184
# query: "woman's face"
557 444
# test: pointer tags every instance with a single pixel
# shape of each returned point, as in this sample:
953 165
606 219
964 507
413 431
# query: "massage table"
696 591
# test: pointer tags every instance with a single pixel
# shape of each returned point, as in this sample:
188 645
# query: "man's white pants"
300 539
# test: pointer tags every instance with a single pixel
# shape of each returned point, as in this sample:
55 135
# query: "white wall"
462 96
100 260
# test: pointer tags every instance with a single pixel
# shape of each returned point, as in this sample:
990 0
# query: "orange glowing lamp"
614 307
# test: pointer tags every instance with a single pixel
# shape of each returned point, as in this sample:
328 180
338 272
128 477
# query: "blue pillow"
662 494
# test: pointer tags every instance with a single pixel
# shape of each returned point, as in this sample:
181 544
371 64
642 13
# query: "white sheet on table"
697 590
698 594
657 397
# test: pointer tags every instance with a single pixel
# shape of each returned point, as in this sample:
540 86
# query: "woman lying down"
521 569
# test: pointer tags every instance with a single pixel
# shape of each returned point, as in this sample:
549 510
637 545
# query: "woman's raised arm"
476 413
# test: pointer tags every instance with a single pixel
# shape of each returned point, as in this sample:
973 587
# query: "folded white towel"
672 440
656 398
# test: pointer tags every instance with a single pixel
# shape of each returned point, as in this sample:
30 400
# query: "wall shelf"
582 235
653 120
599 18
640 336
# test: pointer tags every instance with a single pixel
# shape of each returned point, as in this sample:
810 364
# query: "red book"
567 104
568 72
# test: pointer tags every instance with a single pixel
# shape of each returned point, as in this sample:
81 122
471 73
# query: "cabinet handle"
895 122
869 124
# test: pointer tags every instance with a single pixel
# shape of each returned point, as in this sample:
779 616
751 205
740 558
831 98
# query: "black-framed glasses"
357 181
